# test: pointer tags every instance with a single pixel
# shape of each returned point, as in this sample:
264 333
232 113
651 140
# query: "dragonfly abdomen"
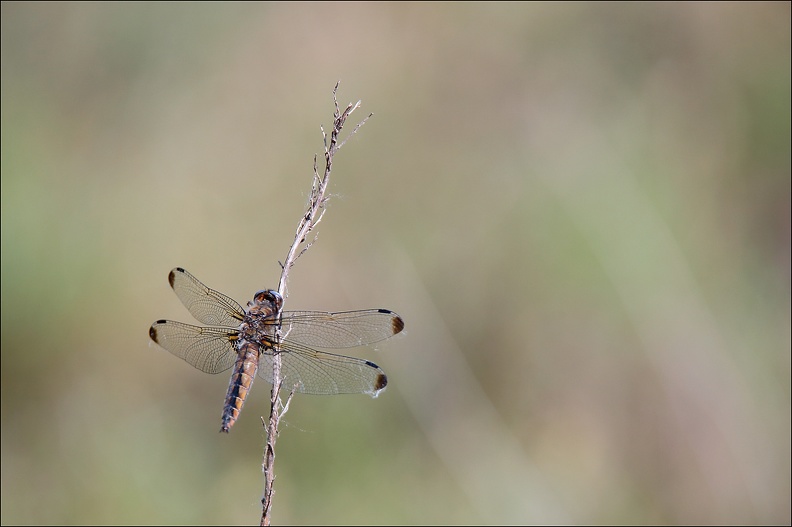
241 380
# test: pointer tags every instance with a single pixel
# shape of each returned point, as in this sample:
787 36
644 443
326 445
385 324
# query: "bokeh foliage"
582 212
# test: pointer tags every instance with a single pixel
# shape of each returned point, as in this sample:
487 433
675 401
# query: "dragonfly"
247 340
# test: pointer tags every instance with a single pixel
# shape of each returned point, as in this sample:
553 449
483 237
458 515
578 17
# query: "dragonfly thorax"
262 317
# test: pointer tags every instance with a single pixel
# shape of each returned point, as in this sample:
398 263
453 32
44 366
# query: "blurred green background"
581 211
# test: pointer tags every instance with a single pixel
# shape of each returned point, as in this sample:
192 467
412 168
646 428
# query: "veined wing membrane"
210 349
206 305
346 329
316 372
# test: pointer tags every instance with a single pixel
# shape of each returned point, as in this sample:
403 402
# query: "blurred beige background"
581 211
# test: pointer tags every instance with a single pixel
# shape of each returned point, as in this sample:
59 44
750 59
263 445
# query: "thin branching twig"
313 215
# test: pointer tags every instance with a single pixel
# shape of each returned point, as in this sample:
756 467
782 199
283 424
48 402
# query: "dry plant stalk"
313 215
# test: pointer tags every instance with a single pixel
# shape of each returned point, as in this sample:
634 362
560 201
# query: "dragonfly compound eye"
269 296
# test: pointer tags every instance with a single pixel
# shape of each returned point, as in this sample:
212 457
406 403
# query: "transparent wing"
206 305
316 372
346 329
209 349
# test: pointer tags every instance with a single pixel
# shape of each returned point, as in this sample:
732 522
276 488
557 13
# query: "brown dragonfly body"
247 339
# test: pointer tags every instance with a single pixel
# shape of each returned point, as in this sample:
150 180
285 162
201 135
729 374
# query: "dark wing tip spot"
172 276
153 333
397 324
381 382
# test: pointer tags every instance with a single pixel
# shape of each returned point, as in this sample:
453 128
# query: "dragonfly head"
268 299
